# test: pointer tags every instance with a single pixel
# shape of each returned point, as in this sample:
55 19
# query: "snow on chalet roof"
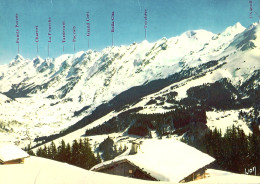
10 152
166 159
38 170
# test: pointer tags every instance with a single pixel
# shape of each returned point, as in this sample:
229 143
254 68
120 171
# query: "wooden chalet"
11 154
168 160
125 168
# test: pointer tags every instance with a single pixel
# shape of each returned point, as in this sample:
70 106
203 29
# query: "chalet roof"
165 160
10 152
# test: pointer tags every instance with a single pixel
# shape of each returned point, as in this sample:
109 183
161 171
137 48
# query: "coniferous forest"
109 149
142 124
234 151
78 154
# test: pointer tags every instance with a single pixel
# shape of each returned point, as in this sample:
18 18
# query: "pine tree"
53 151
107 155
98 158
254 149
49 153
75 153
243 153
68 154
82 157
90 157
45 152
29 150
39 152
61 156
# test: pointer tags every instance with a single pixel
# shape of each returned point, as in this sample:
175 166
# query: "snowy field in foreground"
218 176
43 171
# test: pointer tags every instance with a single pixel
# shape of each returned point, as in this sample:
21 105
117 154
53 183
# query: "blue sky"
166 18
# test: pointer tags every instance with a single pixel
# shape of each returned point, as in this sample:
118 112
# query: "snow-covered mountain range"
40 97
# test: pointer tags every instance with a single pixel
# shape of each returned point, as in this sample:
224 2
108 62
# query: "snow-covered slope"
37 170
48 95
218 176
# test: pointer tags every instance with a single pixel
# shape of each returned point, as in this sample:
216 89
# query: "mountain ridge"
54 89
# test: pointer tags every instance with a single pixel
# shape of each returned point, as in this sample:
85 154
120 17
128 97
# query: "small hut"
11 154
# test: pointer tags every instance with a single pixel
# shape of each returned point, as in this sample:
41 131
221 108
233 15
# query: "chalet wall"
199 174
17 161
126 169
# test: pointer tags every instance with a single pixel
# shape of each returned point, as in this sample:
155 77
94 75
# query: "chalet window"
130 171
